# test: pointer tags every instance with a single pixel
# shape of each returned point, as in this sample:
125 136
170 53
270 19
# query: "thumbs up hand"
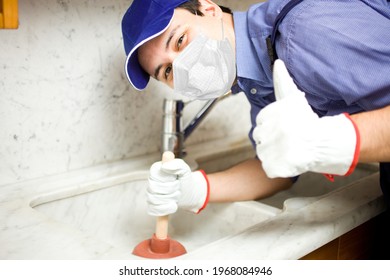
283 84
291 139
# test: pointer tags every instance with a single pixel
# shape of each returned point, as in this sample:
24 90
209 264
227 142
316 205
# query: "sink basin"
116 214
112 209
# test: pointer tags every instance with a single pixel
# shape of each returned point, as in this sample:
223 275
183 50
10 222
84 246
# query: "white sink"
116 214
100 213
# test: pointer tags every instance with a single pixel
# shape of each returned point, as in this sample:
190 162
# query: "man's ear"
208 7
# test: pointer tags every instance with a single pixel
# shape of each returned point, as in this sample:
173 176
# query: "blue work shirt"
337 52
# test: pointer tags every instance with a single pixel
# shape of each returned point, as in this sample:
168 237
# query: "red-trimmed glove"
172 185
291 139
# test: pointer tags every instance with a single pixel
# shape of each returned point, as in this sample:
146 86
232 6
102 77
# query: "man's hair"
193 7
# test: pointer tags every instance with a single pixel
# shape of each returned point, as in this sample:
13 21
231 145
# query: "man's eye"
180 41
167 71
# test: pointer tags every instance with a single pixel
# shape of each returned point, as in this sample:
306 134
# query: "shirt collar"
246 57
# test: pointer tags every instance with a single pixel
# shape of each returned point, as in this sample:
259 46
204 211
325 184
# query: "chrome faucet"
174 134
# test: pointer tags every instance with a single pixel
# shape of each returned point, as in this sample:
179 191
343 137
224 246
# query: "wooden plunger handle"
162 221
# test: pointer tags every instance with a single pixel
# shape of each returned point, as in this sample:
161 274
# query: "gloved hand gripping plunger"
160 246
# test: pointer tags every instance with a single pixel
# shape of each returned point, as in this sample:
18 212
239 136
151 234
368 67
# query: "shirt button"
253 91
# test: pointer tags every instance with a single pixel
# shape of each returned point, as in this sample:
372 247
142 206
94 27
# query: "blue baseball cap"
143 21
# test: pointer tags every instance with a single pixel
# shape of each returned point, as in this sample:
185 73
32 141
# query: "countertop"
301 227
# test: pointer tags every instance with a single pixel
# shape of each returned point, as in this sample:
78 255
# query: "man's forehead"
175 22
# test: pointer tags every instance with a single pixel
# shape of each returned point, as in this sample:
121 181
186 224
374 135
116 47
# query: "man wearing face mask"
329 116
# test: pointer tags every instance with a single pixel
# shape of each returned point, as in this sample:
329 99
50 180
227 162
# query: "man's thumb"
283 83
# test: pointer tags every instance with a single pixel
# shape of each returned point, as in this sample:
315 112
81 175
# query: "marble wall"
65 103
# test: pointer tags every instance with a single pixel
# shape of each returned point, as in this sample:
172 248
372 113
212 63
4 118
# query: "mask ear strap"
223 30
198 28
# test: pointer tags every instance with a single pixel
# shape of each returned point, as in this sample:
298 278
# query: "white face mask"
205 69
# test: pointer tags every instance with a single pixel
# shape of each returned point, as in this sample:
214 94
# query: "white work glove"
172 185
291 139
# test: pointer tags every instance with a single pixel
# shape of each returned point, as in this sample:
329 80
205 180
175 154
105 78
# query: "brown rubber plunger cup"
160 246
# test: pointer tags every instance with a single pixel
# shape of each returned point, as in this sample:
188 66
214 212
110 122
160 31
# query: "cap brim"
137 76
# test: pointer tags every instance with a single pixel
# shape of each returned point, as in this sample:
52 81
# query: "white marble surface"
304 224
117 215
65 102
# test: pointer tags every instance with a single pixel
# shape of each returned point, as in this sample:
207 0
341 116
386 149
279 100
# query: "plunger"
160 246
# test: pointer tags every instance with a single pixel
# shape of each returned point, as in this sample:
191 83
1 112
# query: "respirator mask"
205 69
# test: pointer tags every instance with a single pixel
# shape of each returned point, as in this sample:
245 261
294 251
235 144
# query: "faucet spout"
174 135
172 132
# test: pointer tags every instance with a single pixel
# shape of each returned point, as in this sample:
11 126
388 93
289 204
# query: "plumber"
323 108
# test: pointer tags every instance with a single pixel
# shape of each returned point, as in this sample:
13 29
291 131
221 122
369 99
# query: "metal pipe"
173 135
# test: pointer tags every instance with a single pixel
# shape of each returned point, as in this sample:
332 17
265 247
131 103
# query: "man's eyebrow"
171 35
173 31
